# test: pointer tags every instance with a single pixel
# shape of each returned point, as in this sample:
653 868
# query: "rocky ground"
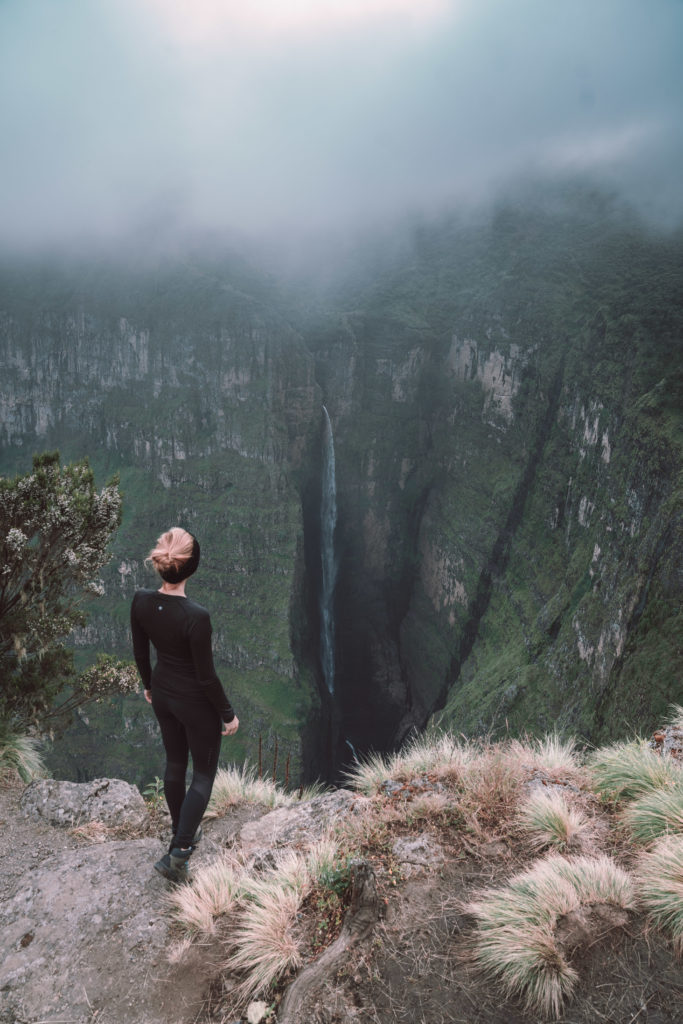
85 925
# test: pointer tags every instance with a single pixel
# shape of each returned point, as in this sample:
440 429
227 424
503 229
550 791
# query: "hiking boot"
173 865
196 839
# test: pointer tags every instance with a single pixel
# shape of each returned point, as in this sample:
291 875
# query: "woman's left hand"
148 696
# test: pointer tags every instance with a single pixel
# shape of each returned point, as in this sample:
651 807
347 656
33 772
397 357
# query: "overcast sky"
251 114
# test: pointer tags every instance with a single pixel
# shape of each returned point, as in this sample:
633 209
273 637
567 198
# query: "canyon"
505 404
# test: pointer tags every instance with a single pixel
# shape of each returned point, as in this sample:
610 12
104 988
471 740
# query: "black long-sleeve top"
180 631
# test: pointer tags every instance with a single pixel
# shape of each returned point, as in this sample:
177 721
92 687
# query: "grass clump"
625 771
656 814
442 756
550 754
676 716
215 891
234 786
551 822
516 939
20 757
659 879
260 911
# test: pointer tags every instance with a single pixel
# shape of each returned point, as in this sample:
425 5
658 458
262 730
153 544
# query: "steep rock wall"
509 456
205 408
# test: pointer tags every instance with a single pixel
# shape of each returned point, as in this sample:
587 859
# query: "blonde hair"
172 550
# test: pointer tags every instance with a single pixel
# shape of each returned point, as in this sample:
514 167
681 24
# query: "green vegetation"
516 941
20 756
625 771
656 814
552 822
528 932
660 886
55 529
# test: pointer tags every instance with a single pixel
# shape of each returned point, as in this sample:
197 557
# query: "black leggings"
187 728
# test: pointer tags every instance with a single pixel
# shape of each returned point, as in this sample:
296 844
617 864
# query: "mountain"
505 400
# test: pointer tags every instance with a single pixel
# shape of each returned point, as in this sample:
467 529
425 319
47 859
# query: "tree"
55 528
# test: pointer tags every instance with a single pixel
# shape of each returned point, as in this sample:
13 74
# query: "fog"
291 116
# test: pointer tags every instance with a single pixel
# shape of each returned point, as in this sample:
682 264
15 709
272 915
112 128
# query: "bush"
54 532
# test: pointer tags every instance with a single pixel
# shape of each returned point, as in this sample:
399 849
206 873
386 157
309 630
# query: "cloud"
211 23
119 114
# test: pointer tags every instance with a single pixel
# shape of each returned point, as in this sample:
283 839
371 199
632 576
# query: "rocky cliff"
189 382
505 402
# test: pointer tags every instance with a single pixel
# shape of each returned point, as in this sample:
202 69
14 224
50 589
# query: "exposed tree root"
360 919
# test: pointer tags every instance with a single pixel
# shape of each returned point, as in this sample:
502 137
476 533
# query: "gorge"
504 548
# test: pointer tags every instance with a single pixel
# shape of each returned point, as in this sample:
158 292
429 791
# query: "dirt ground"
418 968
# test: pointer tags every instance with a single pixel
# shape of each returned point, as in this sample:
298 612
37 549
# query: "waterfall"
328 522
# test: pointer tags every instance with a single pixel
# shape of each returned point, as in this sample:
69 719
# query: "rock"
417 854
87 931
292 826
417 785
110 801
543 781
256 1012
669 742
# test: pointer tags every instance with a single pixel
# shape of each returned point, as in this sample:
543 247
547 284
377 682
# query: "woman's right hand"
230 728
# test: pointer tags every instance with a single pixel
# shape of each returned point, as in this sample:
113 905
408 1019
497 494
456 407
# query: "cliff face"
506 409
201 396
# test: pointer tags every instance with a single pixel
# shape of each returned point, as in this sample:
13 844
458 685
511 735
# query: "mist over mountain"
136 117
504 394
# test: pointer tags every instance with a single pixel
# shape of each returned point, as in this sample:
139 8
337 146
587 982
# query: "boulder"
109 801
299 824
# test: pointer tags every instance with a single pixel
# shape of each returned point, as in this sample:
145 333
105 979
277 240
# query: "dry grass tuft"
659 879
215 891
516 939
234 786
264 942
177 951
551 822
266 945
656 814
625 771
91 832
491 789
552 755
442 757
676 716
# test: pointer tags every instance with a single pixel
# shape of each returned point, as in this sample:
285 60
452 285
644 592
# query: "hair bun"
176 555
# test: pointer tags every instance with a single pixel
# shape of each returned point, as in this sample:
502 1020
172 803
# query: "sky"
120 117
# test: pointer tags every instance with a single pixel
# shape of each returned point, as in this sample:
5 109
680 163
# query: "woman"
183 689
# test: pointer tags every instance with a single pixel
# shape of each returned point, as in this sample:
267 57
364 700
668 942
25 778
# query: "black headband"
186 569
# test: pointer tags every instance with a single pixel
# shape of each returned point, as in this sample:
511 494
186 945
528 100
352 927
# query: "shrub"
55 529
